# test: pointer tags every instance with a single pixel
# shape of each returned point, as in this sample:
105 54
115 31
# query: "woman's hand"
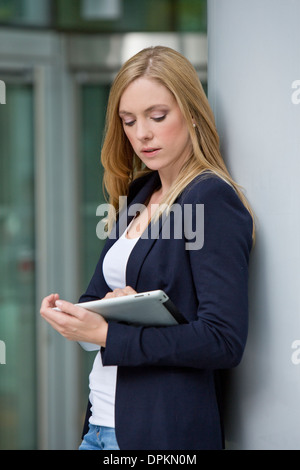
73 322
76 323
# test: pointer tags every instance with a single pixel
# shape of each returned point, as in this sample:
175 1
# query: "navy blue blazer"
166 396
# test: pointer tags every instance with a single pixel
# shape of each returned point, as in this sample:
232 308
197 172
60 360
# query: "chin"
156 165
153 166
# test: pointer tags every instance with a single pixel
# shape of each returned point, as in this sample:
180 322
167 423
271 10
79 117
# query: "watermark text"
296 94
177 222
151 459
295 358
2 353
2 92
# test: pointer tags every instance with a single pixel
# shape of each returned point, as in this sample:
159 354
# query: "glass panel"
17 273
25 12
192 15
93 107
134 16
107 15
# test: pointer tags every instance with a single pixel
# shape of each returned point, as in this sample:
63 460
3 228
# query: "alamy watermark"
295 358
2 353
188 222
296 94
2 92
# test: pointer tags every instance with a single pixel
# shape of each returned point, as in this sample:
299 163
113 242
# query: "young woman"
155 387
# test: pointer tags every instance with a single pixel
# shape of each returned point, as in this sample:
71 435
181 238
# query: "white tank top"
103 379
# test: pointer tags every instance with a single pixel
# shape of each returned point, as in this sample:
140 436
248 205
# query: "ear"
194 124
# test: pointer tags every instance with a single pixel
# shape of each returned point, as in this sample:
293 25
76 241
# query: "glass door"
17 270
93 101
92 105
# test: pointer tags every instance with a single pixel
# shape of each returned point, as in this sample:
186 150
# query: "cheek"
168 132
176 131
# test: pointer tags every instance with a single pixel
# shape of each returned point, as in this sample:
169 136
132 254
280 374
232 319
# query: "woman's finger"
120 292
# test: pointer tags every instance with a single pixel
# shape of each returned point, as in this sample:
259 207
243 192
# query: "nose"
143 131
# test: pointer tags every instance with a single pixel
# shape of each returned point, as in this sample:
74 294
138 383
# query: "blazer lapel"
145 243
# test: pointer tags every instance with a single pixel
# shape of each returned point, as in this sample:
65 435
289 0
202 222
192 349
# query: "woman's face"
155 126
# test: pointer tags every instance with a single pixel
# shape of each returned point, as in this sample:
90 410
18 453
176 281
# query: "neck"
167 179
169 174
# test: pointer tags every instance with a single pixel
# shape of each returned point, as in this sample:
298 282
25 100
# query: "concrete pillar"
254 90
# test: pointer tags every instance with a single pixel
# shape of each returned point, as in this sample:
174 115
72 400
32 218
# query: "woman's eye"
154 118
129 123
159 118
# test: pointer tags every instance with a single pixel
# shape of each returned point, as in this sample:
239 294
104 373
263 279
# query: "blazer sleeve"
217 336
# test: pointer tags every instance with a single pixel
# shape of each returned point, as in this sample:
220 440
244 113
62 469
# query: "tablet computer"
153 308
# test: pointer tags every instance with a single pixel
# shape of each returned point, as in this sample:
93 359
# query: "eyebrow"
148 110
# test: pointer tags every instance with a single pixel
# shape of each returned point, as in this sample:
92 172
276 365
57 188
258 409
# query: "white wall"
254 89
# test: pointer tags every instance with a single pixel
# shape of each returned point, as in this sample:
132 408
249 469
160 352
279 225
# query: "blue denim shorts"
99 438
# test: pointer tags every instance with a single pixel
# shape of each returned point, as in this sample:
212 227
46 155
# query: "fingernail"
58 303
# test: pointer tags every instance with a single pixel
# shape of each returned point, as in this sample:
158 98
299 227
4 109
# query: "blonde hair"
176 73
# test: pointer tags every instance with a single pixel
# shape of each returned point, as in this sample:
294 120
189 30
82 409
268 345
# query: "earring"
194 124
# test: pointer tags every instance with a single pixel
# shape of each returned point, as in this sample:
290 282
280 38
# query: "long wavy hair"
122 166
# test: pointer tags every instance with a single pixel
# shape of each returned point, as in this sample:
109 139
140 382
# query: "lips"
151 151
